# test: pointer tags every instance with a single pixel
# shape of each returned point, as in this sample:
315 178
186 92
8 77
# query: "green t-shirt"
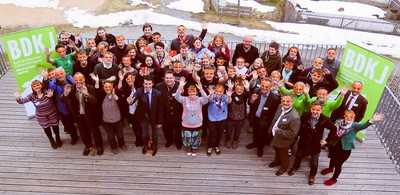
66 63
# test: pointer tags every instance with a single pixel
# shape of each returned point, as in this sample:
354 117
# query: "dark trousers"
114 130
338 157
172 132
145 124
282 157
56 131
87 127
137 129
313 163
234 127
260 133
204 110
68 123
216 129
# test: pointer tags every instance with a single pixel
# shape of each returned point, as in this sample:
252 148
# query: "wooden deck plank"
29 165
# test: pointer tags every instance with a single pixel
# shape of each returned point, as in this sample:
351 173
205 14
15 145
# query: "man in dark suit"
149 112
263 105
284 128
246 50
311 138
354 101
83 101
172 110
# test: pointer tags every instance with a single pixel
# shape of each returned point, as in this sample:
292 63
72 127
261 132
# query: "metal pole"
238 12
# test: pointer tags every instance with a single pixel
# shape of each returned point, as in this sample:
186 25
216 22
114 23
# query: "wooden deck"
29 165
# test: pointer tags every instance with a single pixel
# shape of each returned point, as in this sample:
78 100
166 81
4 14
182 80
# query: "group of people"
191 92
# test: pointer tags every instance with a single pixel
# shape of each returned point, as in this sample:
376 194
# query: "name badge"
265 108
173 95
237 98
355 105
284 120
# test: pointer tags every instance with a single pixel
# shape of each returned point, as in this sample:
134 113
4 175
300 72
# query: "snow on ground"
296 33
140 2
195 6
255 5
293 33
332 7
33 3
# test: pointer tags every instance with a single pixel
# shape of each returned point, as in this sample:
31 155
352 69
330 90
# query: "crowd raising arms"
203 91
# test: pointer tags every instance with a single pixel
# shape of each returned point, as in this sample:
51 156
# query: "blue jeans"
145 124
114 129
235 127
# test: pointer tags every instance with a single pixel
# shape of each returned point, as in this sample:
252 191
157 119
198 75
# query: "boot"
53 143
228 144
235 144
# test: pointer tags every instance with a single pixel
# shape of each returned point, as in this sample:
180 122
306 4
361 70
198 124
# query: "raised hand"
84 90
197 67
17 94
199 86
49 93
229 92
77 36
71 43
281 82
326 71
246 84
47 51
94 77
111 78
377 117
210 89
189 67
67 89
306 88
344 89
204 25
130 99
182 82
223 50
121 76
44 73
254 74
229 84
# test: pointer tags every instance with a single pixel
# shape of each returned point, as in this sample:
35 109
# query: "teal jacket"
348 137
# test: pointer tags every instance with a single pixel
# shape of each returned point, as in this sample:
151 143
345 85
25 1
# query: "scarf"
342 128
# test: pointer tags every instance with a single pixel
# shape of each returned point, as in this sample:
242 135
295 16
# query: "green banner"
373 70
25 52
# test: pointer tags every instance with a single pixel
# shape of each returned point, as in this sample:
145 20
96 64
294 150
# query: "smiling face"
132 53
36 86
79 81
275 76
289 66
62 52
231 72
318 63
197 44
126 61
60 74
147 85
298 89
293 52
322 94
219 62
349 116
262 72
240 63
102 34
177 68
316 77
169 79
108 88
51 75
256 64
82 58
192 91
218 41
287 102
316 111
247 41
356 88
272 51
159 50
64 38
108 58
156 38
265 87
91 43
120 41
219 90
147 31
209 74
130 80
239 89
181 31
331 54
148 61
